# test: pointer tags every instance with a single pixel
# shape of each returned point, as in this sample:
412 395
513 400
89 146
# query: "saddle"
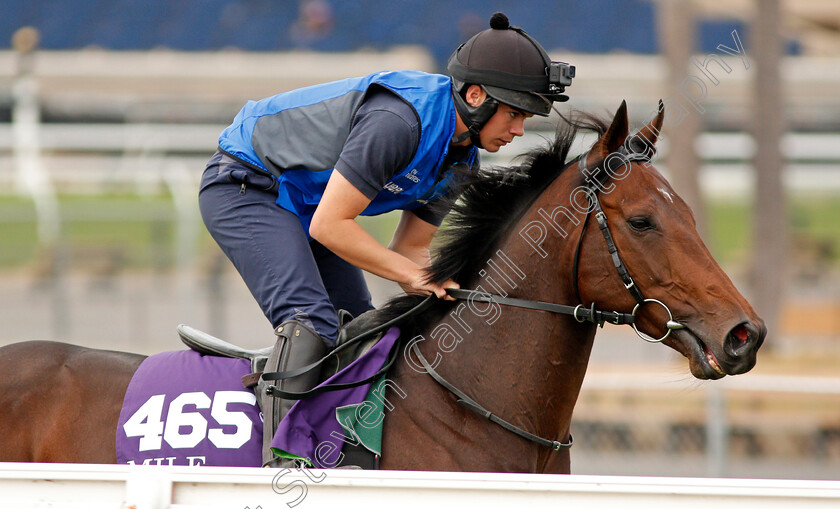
354 339
206 344
349 329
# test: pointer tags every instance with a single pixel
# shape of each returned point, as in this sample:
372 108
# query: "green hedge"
139 231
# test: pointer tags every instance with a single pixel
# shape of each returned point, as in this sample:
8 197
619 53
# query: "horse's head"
656 239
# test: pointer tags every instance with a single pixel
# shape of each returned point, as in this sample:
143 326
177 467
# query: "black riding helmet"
512 68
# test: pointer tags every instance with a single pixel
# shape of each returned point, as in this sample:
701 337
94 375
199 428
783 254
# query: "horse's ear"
616 133
651 131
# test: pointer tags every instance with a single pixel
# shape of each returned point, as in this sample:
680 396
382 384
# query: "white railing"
123 486
84 156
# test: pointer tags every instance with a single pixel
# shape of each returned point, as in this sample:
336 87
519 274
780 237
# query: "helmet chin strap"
474 117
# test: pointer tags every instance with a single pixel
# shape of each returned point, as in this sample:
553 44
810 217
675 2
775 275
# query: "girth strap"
579 312
468 402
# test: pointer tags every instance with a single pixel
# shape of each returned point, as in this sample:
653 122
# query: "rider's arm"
334 225
382 140
418 226
412 240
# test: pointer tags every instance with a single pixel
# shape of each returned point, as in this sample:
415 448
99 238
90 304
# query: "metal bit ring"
671 324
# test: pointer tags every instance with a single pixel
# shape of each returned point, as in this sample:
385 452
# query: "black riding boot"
297 345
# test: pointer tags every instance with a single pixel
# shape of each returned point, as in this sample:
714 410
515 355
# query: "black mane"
488 203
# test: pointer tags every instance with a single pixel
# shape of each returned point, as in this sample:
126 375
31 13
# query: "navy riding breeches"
289 276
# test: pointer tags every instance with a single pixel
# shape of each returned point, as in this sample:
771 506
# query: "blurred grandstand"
105 129
170 85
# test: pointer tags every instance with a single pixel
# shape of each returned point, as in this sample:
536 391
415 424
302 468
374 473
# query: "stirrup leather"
297 345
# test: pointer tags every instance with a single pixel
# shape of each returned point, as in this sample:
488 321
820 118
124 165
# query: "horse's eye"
641 224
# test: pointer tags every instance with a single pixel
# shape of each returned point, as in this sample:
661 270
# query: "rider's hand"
418 285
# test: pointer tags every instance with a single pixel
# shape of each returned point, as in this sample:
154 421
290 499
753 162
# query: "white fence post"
148 488
717 431
31 178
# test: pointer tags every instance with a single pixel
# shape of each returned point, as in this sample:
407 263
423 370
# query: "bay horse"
603 233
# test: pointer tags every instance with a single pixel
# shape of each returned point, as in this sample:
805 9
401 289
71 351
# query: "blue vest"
297 136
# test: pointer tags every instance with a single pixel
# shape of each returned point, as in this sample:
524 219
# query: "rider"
294 170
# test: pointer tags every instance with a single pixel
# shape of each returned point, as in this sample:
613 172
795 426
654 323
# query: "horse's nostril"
741 340
740 333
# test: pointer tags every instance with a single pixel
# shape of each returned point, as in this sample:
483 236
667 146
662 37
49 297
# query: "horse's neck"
521 362
535 340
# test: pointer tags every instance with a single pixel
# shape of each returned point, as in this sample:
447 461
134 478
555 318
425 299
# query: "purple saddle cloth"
311 429
184 408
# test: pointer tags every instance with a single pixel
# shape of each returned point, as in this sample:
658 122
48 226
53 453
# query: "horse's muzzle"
741 344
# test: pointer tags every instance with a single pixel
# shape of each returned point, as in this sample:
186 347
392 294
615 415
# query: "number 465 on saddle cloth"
184 408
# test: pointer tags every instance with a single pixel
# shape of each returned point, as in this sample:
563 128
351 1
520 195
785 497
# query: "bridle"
603 171
580 312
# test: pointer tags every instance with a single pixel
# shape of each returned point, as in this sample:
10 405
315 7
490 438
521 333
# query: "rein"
468 402
282 375
579 312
